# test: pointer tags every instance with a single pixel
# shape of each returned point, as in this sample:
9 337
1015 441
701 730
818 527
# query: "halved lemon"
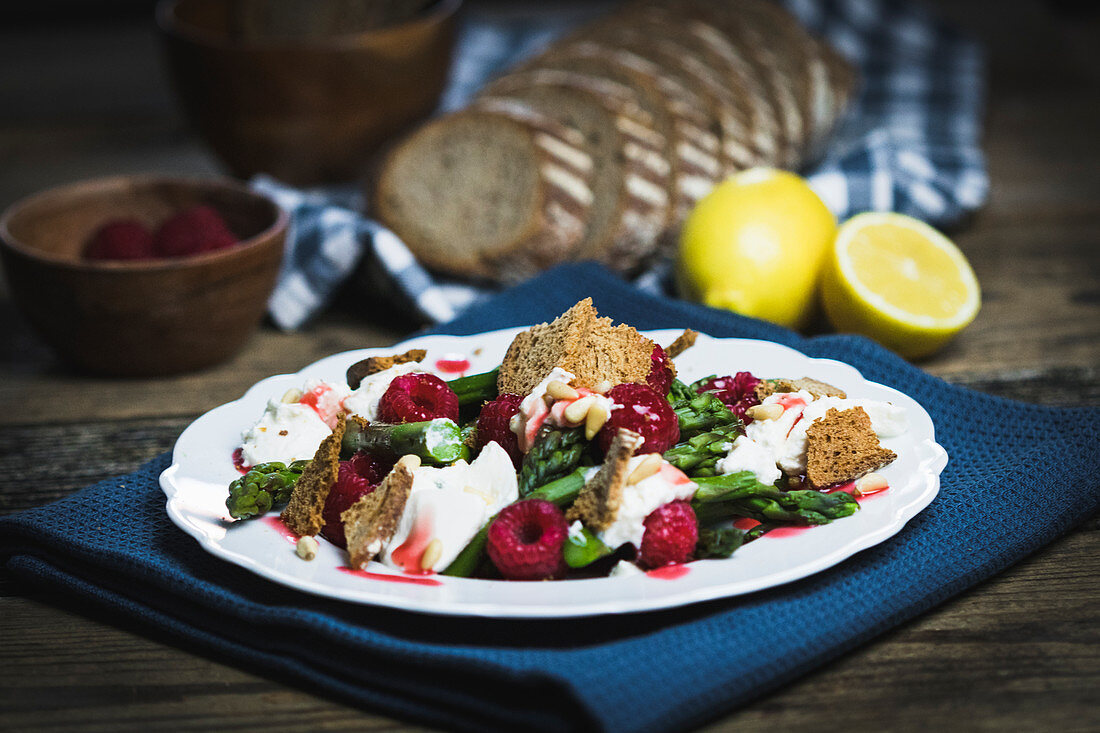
899 281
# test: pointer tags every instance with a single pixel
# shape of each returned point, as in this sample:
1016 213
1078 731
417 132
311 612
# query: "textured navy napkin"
910 143
1019 475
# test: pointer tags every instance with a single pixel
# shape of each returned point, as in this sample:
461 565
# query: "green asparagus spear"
263 486
561 492
554 454
718 543
772 505
699 455
584 550
476 388
700 413
437 442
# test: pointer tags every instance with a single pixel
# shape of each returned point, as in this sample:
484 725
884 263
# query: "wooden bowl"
308 109
141 318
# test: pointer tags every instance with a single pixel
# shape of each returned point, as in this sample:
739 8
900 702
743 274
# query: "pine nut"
872 483
410 462
575 412
559 390
603 387
594 420
765 412
649 466
291 396
431 555
306 548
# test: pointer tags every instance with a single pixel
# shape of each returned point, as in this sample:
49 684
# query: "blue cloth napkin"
911 143
1019 475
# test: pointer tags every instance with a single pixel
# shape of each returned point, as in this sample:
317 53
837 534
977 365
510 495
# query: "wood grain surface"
1020 652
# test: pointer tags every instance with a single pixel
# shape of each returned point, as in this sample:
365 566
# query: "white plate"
202 468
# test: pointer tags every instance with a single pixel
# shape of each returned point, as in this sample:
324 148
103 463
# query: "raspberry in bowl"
135 315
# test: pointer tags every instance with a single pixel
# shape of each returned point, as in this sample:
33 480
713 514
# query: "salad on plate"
582 455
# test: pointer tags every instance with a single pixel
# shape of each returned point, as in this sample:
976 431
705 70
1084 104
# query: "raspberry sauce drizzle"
669 572
238 461
412 580
408 554
453 365
273 521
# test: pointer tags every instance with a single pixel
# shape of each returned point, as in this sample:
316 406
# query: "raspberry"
193 231
494 424
736 392
640 409
670 535
357 477
526 538
416 397
660 374
120 239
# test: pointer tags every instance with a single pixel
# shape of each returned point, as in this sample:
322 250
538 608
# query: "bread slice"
631 173
580 342
841 447
715 66
370 522
498 193
598 502
768 387
303 513
691 150
374 364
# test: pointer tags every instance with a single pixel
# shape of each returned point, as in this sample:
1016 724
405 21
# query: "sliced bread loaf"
630 172
672 116
499 192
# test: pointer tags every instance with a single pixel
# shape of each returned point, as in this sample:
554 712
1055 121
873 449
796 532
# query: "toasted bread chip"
682 343
598 503
370 522
841 447
817 388
374 364
302 514
580 342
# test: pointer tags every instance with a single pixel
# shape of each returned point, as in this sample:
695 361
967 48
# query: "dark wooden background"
1019 652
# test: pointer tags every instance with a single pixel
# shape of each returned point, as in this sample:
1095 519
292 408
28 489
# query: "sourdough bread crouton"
769 387
374 364
682 343
302 514
841 447
370 522
580 342
598 502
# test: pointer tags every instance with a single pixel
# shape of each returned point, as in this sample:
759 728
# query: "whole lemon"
756 245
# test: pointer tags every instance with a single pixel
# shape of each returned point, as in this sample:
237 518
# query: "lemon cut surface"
899 281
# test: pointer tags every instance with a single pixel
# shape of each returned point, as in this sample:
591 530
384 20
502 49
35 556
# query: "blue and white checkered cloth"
911 143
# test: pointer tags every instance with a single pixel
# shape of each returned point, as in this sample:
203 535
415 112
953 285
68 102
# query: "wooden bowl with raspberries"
143 276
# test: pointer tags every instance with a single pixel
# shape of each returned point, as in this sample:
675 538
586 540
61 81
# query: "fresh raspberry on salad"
416 397
736 392
494 425
356 478
671 532
525 540
120 239
660 374
639 408
193 231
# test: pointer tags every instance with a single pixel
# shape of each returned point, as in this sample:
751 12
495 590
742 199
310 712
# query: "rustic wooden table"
1019 652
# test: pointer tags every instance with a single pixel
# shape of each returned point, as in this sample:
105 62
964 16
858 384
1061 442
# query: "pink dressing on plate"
412 580
276 524
669 572
453 364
